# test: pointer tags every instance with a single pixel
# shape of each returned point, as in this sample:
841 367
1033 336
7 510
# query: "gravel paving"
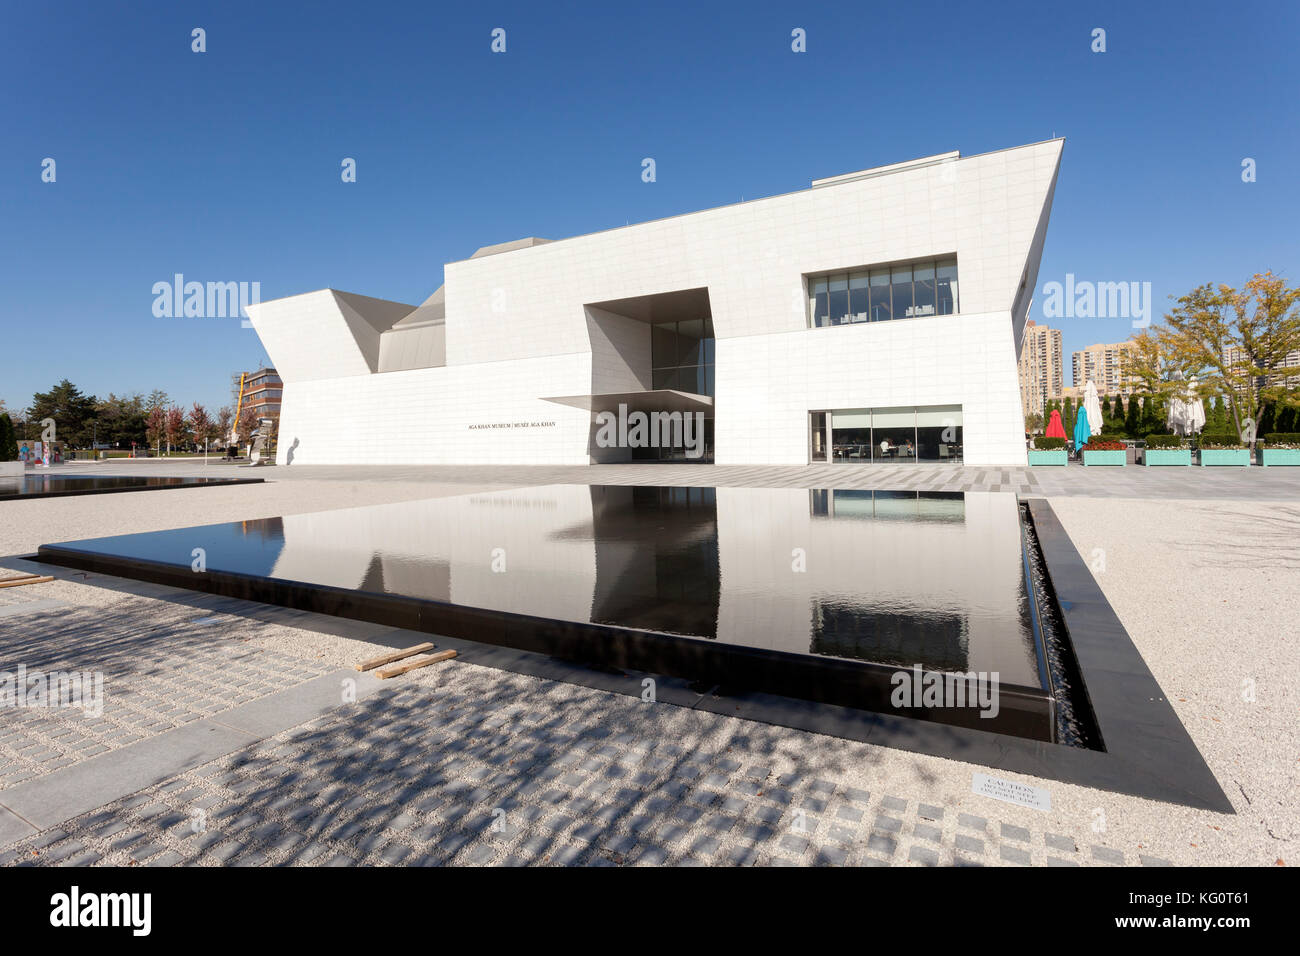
467 764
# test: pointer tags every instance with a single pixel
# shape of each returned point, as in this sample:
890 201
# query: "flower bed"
1048 451
1279 448
1103 450
1223 448
1047 456
1166 450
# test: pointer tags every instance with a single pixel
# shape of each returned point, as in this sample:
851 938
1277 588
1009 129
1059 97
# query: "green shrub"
1166 441
1221 440
1282 440
8 438
1048 444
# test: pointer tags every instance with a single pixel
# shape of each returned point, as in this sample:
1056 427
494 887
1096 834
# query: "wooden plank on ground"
398 669
19 582
382 659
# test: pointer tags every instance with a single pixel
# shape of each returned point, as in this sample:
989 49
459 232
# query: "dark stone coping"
122 489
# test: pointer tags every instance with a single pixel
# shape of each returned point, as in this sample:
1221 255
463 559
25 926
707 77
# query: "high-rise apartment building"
1041 370
1104 365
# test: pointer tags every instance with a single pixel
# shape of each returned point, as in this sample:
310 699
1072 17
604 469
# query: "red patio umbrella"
1054 427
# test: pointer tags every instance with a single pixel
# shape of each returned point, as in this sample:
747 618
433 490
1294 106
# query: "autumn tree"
247 425
225 417
1236 342
175 427
201 424
156 427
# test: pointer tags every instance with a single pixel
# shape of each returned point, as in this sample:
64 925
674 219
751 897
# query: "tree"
1287 416
8 438
174 427
122 420
72 411
1133 418
156 426
225 417
1237 341
201 424
1067 416
1153 416
1033 423
1268 420
247 425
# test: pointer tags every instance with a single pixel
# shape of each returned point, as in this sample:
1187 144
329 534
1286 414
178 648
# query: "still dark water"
896 578
37 486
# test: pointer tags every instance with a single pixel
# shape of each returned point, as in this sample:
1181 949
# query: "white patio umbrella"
1093 404
1178 417
1195 409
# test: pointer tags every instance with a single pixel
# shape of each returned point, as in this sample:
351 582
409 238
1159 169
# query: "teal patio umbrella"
1081 430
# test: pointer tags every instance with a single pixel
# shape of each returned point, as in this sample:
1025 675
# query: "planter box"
1048 456
1105 457
1278 456
11 469
1167 456
1225 456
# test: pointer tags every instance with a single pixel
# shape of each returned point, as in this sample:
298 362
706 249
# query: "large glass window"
946 286
900 278
851 435
859 300
939 433
923 288
880 311
681 359
839 299
917 289
681 356
690 336
895 435
818 301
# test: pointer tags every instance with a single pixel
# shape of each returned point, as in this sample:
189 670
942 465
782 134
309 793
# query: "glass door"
817 437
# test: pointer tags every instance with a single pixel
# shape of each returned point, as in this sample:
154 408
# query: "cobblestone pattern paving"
163 666
504 770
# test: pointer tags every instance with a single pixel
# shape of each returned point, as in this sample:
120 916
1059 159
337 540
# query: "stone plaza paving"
238 734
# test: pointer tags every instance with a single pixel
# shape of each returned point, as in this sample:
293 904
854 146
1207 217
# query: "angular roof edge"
906 165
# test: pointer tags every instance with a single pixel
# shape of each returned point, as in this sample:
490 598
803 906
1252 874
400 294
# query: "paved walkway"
478 766
227 738
1131 481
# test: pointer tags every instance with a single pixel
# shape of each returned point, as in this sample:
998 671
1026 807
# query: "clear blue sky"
224 166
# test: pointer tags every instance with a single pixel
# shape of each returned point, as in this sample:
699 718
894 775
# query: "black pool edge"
1144 739
205 483
1023 711
1149 755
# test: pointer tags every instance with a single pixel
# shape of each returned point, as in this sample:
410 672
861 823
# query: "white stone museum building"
876 316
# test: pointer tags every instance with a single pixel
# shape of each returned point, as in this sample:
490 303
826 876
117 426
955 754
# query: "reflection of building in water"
935 579
656 558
